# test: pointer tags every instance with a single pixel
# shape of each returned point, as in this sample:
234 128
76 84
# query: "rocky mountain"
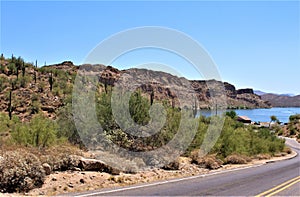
48 88
180 91
282 100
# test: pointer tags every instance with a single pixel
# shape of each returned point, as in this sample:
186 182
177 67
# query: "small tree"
232 114
39 132
273 119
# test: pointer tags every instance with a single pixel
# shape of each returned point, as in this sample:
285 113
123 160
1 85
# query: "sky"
254 44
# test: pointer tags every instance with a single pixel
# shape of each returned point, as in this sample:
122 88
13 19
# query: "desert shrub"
20 172
34 107
294 118
232 114
237 159
139 108
208 161
287 150
263 156
174 165
2 84
39 132
292 131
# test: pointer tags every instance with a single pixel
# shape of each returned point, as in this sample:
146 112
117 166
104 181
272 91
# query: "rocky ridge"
282 100
177 91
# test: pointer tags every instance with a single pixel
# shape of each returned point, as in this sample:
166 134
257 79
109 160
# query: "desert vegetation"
292 128
39 136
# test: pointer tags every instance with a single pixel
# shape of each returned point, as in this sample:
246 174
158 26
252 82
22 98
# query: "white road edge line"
168 181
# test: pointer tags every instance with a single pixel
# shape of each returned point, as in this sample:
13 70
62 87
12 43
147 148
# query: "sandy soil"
75 181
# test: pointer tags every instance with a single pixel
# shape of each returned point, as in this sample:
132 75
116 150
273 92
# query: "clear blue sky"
254 44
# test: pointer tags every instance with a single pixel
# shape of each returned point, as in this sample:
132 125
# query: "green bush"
232 114
39 132
139 108
20 172
238 139
294 118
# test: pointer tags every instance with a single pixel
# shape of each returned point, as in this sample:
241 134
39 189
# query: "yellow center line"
289 185
277 187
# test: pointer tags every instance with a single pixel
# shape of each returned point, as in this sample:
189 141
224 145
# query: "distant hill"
282 100
258 92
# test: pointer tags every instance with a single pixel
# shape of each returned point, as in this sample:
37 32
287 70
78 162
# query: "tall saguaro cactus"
9 109
23 69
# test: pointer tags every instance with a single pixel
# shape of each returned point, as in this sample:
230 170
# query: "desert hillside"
282 100
45 89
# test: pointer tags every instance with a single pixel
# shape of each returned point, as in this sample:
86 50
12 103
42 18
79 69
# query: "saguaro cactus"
17 72
23 69
151 97
9 109
34 76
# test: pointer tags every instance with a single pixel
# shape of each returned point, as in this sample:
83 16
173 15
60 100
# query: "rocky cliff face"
32 92
183 92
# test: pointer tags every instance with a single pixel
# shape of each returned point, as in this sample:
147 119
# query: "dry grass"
208 161
237 159
263 156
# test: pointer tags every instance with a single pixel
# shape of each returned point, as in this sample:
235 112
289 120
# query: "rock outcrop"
35 95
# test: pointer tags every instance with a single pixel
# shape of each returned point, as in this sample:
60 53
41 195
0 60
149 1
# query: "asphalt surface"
251 181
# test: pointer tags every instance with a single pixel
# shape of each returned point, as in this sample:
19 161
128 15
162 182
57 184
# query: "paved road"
279 178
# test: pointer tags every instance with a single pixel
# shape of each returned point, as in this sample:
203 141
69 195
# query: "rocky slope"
282 100
183 92
32 91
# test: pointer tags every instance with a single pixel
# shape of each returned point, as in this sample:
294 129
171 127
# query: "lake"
263 115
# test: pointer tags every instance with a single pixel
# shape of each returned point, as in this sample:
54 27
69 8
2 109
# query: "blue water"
263 115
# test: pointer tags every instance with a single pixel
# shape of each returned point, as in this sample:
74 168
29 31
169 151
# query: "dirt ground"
75 181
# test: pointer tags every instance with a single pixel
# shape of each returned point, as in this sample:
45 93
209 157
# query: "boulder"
97 165
47 168
174 165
